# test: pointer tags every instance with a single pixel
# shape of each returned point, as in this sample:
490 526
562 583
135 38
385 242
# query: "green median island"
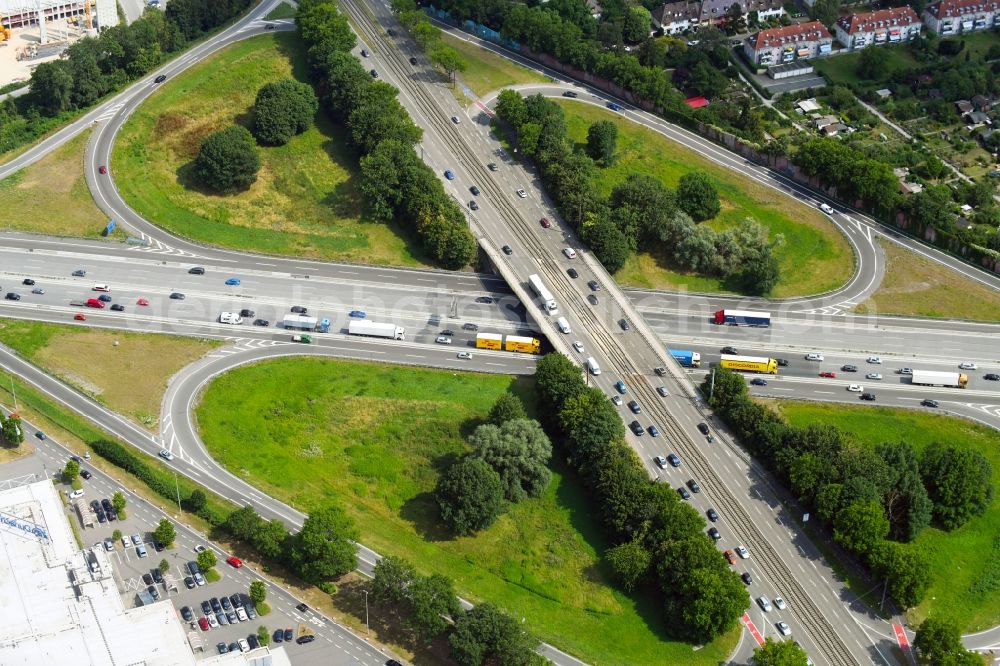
377 437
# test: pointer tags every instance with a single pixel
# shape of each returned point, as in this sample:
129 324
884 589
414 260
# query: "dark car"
747 578
783 362
390 32
693 485
118 307
470 327
147 578
474 190
635 407
206 607
302 608
106 503
653 431
393 662
177 296
79 273
196 270
413 61
712 515
683 492
216 606
233 617
222 648
492 166
160 79
868 396
95 505
261 322
157 575
189 582
298 309
187 614
849 368
570 93
703 428
729 350
85 474
636 428
992 376
104 298
927 402
674 460
236 601
714 533
572 273
247 313
11 296
289 634
594 285
758 381
374 74
508 250
447 332
592 298
305 639
252 641
153 592
624 324
279 635
28 281
101 516
269 26
226 605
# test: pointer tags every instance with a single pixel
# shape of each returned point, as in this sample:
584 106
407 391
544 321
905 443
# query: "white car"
784 629
521 193
967 365
455 120
212 622
856 388
569 252
779 603
617 400
200 548
875 359
109 545
244 646
577 345
242 614
742 552
166 455
126 541
465 355
873 375
443 340
814 356
764 604
826 209
75 494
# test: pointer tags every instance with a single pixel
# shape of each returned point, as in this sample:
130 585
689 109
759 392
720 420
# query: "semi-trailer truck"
303 323
750 363
489 341
933 378
689 359
743 318
374 329
548 301
515 343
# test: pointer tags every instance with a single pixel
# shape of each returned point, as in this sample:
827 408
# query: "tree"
958 482
258 592
391 579
630 563
71 472
511 108
324 548
196 501
11 432
713 600
164 565
937 639
448 59
697 196
557 379
608 243
906 503
707 81
519 451
486 635
470 496
165 534
602 137
271 539
907 569
872 65
507 408
228 160
644 210
780 653
118 501
590 423
282 110
431 599
206 559
860 527
243 524
52 87
825 11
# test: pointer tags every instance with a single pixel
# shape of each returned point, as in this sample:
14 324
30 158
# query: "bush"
228 160
470 496
282 110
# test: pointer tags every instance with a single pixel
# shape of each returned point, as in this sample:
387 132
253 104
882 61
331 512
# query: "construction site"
37 31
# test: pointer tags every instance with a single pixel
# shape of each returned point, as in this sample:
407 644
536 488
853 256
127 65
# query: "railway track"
801 606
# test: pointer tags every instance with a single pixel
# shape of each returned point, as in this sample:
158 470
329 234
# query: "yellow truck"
750 364
516 343
489 341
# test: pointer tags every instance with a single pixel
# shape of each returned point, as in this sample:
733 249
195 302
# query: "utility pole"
368 630
178 488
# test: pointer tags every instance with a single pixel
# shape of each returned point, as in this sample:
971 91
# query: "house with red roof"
953 17
885 26
783 45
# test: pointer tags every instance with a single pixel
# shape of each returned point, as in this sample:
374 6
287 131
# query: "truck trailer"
549 302
294 322
932 378
517 343
489 341
750 363
364 327
689 359
743 318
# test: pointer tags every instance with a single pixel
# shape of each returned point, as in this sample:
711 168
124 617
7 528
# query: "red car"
102 169
831 375
545 222
235 561
730 556
203 623
80 317
142 301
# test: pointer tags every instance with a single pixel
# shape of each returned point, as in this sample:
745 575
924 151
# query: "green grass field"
959 559
305 201
282 11
488 72
843 69
814 258
376 437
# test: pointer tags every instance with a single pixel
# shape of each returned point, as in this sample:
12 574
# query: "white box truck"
563 325
549 302
230 318
592 366
364 327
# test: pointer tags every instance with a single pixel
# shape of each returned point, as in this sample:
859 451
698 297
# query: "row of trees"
483 635
395 181
11 431
656 538
428 37
875 499
96 66
641 213
508 463
853 174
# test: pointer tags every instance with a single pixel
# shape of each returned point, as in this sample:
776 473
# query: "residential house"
906 187
833 129
824 121
885 26
674 18
716 11
964 106
807 105
781 45
977 118
982 103
953 17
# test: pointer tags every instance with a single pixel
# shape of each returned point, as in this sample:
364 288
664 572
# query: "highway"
824 615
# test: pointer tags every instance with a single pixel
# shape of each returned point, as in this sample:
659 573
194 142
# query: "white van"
230 318
101 287
813 356
592 366
569 252
563 325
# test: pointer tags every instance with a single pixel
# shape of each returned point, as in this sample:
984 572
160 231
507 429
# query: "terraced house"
885 26
783 45
953 17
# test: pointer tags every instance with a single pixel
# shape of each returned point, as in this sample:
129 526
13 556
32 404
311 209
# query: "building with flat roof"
782 45
953 17
885 26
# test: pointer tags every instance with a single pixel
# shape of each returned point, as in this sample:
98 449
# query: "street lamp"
368 630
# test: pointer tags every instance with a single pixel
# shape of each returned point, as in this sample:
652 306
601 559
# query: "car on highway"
693 485
729 350
177 296
474 190
713 532
653 431
79 273
592 299
521 193
455 119
38 290
905 371
233 282
470 327
464 355
442 340
166 455
828 375
357 314
758 381
578 346
118 307
374 73
660 461
492 166
11 296
782 362
868 396
40 435
636 428
620 385
196 270
27 281
742 552
660 371
712 515
746 578
927 402
569 252
992 376
635 407
79 316
142 301
298 309
683 492
234 561
616 400
874 359
614 107
967 365
764 603
779 603
783 628
703 428
623 323
848 368
874 375
730 556
449 174
826 209
104 298
662 390
594 285
674 460
855 388
508 250
413 61
473 205
570 94
261 322
269 26
160 79
545 223
814 356
102 170
572 272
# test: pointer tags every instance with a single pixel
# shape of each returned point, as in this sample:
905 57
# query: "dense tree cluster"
282 110
780 653
855 176
655 537
641 213
228 160
11 432
875 499
95 66
470 496
939 643
396 183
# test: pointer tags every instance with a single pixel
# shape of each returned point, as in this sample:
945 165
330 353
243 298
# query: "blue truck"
743 318
689 359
